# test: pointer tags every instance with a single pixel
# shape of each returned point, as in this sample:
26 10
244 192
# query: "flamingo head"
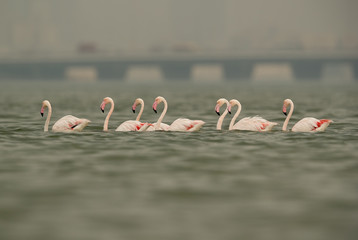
45 104
104 102
232 103
136 102
158 100
286 103
219 103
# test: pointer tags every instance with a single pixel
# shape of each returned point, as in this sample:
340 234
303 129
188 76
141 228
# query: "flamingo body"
186 125
67 123
162 127
132 125
70 123
180 125
308 124
257 124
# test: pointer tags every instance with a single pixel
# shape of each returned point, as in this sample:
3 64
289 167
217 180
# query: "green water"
164 185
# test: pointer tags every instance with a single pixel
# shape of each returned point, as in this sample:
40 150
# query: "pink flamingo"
307 124
257 124
140 101
125 126
181 124
219 103
67 123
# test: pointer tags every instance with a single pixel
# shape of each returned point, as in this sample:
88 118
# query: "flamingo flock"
70 123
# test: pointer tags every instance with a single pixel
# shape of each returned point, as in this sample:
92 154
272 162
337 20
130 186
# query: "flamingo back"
186 125
310 124
257 124
162 127
70 123
130 125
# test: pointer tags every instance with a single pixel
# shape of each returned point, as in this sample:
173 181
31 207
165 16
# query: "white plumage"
186 125
151 127
308 124
254 124
181 124
67 123
70 123
162 127
257 124
132 125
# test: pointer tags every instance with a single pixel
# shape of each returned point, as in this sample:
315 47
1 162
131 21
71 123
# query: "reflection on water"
164 185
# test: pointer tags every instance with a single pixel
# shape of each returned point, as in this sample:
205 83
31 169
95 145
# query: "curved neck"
105 126
141 111
284 127
235 116
160 119
221 118
48 117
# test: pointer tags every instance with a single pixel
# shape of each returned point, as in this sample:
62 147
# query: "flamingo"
180 124
140 101
125 126
257 124
137 102
67 123
308 124
219 103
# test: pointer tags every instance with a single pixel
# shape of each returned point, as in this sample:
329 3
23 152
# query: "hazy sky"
142 24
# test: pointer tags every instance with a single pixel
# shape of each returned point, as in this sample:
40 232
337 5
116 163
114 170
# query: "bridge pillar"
238 69
355 70
307 69
46 71
111 70
51 71
176 70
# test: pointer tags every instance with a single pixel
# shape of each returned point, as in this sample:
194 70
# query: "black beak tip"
229 112
102 110
284 113
133 110
42 114
154 110
218 113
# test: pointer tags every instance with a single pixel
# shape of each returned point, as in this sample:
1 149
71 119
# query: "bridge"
301 65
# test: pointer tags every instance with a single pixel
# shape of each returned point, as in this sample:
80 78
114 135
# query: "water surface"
164 185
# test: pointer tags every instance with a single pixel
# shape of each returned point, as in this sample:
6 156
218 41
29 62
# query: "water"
163 185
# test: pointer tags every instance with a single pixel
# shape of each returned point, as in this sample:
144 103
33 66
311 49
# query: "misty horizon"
160 25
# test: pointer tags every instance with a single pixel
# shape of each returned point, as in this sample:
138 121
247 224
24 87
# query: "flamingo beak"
103 104
217 109
284 110
133 110
155 106
42 114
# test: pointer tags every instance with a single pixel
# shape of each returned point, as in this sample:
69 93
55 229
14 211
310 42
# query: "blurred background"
189 39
